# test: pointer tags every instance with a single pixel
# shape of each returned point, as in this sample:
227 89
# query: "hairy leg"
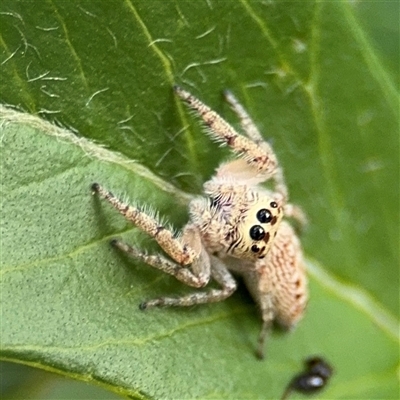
175 248
256 152
185 275
247 123
220 274
262 158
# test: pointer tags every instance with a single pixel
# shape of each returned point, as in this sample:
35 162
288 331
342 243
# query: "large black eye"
257 232
264 216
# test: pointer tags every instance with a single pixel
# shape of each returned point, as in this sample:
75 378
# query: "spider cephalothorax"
237 226
243 224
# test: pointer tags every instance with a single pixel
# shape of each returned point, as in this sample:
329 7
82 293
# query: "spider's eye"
264 216
255 248
273 204
257 232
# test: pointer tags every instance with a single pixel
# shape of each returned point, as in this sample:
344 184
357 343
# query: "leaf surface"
310 78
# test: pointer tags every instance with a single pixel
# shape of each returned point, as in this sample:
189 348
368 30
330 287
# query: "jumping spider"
237 226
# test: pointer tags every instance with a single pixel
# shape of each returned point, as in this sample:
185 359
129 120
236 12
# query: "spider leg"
177 249
199 272
262 158
267 314
198 278
219 273
295 212
251 130
257 152
248 125
258 281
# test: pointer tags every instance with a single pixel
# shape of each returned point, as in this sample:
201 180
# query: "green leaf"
309 76
19 381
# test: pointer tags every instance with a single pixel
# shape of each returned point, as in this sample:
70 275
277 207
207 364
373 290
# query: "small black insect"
313 379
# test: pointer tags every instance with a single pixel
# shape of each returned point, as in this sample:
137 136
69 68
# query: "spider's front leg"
184 251
256 152
180 252
248 125
251 130
187 248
